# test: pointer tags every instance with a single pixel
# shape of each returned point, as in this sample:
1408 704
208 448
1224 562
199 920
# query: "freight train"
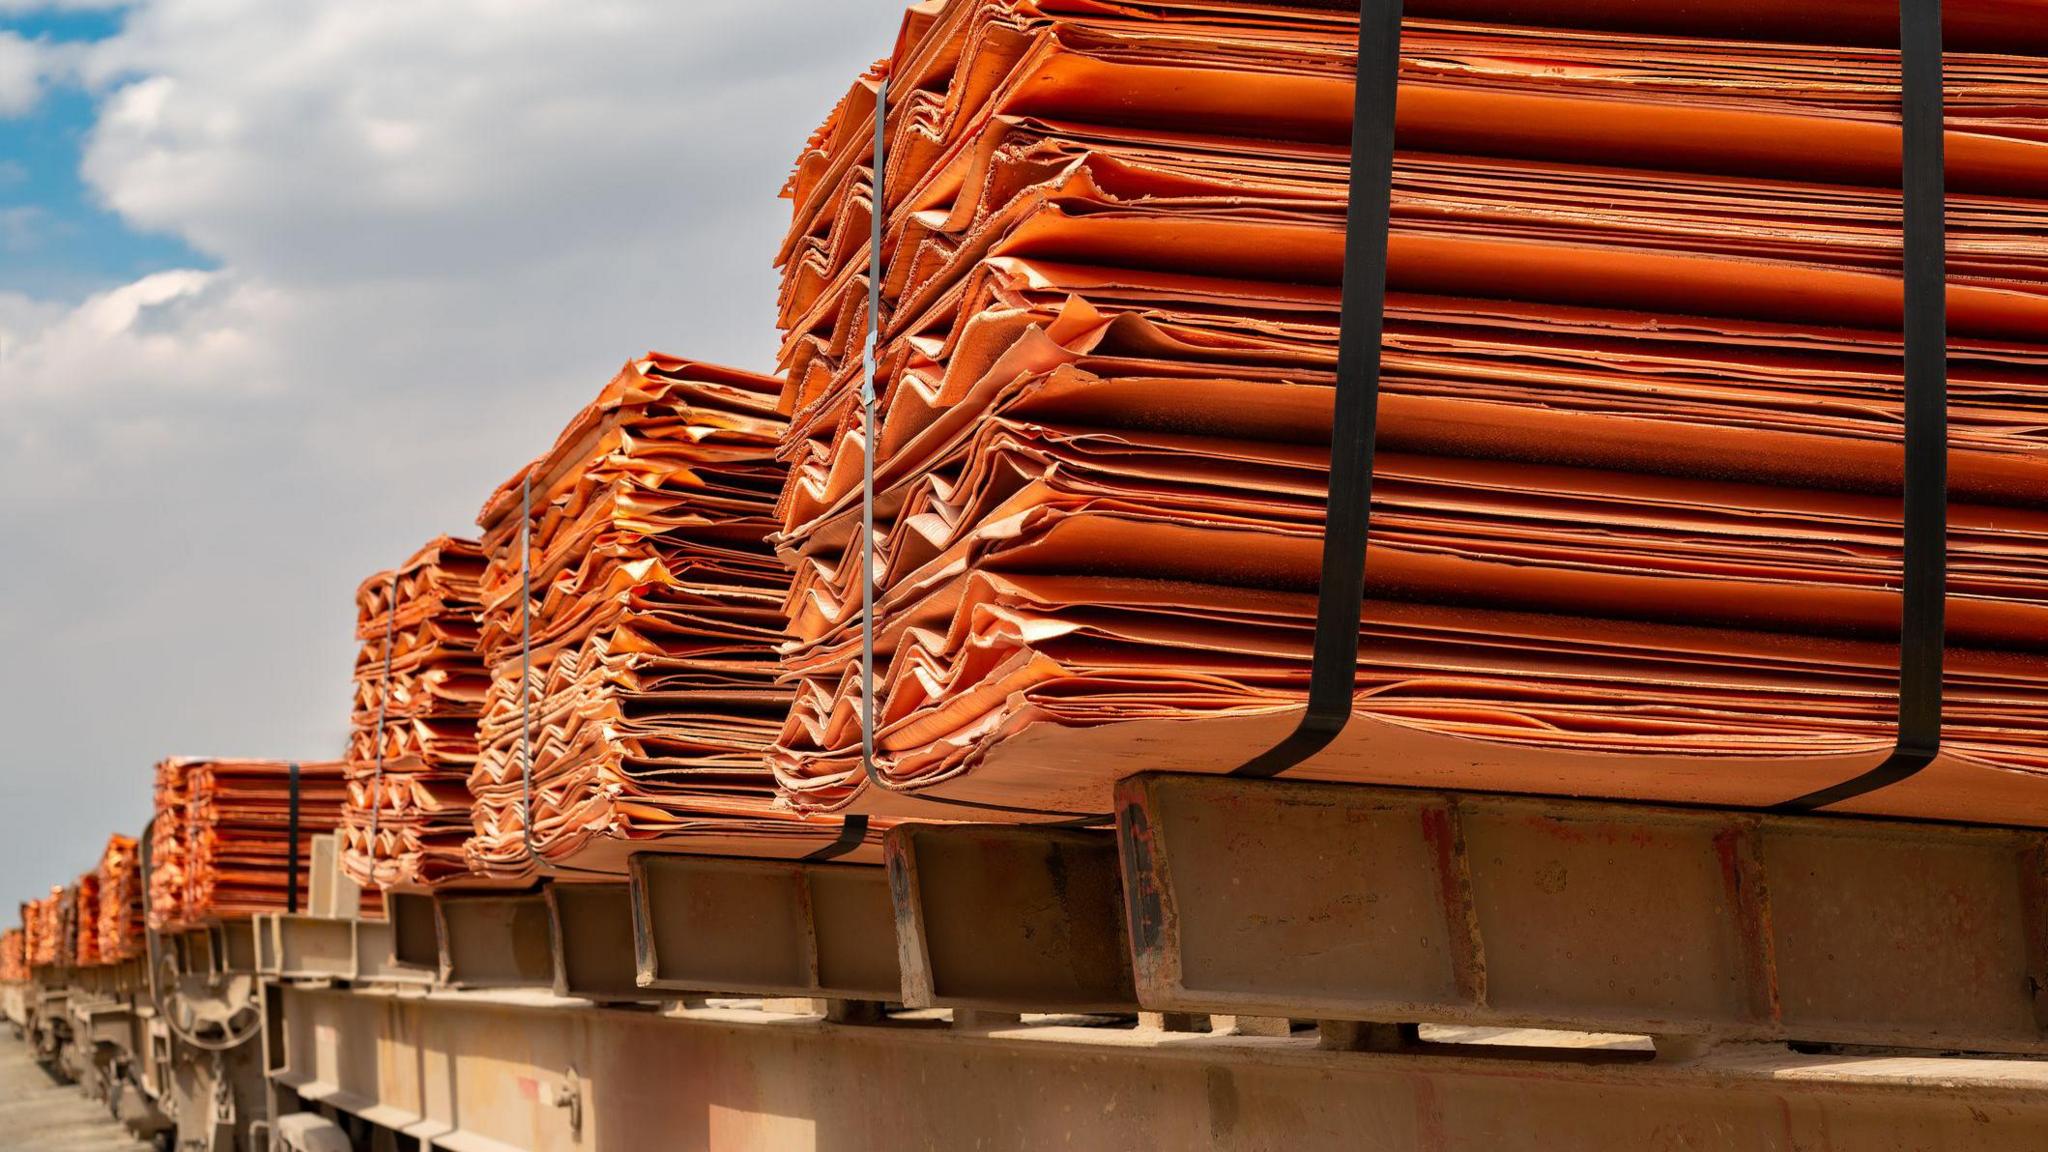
908 749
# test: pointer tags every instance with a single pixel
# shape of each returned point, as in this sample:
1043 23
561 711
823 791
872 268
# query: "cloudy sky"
286 288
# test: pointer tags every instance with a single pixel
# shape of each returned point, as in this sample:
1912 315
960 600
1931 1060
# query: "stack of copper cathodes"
1636 527
238 848
13 956
85 921
420 682
119 914
631 593
43 922
168 879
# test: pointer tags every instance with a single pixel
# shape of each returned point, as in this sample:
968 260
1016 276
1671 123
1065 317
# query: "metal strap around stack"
853 829
546 866
1333 668
1924 594
383 706
291 824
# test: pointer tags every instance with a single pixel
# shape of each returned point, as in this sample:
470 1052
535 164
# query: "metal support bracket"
591 930
415 939
1353 903
494 941
1009 918
764 928
292 947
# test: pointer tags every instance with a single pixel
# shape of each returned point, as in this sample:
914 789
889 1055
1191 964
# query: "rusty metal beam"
306 947
1340 902
591 929
510 1072
415 940
1009 919
319 948
764 928
376 955
495 941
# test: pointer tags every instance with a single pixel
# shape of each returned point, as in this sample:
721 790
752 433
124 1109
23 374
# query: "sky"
287 288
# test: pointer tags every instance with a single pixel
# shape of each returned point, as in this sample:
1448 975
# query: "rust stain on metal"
1444 833
1742 876
1145 905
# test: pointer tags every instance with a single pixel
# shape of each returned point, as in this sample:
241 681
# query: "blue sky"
56 243
428 233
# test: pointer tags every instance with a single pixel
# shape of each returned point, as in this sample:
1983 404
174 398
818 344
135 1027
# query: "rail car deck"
1234 965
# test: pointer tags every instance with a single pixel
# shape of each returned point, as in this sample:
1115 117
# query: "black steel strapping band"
1333 668
1924 594
383 705
291 821
853 832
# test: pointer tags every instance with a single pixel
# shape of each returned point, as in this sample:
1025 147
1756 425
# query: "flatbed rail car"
1236 965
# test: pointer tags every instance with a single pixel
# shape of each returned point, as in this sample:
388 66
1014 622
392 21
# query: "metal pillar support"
1009 918
763 928
415 936
330 893
498 1071
494 941
1339 902
591 927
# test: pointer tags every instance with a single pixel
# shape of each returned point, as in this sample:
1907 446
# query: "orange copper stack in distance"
13 956
44 921
420 682
85 947
237 850
119 915
31 931
168 879
654 619
1636 529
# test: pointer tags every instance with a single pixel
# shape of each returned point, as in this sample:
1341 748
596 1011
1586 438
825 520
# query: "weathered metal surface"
764 928
415 939
494 941
1379 904
14 1004
308 947
376 955
314 948
1009 918
591 932
234 946
194 952
505 1072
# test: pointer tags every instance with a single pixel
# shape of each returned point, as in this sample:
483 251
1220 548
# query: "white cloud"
438 228
22 66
